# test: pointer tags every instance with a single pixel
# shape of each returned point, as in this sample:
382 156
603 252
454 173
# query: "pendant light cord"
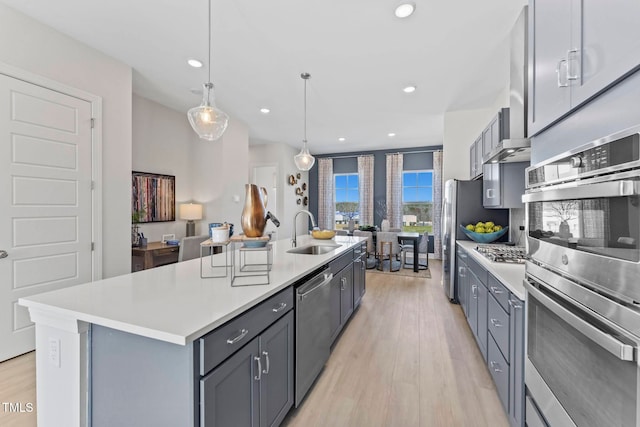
209 48
305 110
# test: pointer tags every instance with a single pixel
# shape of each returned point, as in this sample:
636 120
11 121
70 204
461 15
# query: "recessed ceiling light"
405 10
194 63
342 138
494 161
391 134
511 150
409 89
265 110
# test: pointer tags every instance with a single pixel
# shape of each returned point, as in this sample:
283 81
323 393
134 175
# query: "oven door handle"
614 346
587 191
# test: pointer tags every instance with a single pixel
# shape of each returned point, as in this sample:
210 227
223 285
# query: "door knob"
3 254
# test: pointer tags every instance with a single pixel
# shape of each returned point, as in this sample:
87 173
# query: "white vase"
352 225
384 226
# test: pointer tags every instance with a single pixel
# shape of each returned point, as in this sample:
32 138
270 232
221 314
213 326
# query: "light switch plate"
54 351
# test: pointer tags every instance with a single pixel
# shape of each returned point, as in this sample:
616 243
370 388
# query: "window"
417 201
347 199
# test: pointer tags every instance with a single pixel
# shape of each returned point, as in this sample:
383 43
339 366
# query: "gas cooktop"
503 253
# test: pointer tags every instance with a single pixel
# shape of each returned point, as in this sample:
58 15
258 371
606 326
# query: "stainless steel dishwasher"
313 338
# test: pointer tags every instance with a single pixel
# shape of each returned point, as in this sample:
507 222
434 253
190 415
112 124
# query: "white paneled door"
45 201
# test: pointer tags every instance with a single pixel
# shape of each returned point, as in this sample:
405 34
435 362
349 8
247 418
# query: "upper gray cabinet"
577 48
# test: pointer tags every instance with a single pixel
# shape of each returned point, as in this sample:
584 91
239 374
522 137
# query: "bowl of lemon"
484 232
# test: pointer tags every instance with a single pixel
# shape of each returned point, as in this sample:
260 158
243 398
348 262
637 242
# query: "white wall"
461 128
219 171
38 49
281 155
162 140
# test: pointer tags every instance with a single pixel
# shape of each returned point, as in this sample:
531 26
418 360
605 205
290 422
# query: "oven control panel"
596 158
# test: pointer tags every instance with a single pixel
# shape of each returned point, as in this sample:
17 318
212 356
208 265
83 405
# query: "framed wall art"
153 197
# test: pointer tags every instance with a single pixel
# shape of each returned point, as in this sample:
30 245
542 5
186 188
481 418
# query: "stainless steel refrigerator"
461 205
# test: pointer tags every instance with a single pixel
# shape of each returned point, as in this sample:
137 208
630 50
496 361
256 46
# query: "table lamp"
191 212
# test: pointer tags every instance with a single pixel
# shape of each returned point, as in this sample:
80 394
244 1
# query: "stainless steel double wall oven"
583 285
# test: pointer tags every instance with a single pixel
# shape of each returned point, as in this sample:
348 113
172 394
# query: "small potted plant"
136 216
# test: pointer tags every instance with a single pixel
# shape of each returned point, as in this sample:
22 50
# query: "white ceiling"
358 53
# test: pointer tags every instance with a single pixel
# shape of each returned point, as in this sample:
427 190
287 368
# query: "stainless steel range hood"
517 147
510 151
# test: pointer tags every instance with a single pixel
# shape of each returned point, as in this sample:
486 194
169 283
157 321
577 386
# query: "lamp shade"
190 211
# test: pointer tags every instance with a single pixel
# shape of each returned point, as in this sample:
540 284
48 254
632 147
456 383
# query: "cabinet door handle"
243 333
343 283
515 305
259 360
266 358
3 254
473 290
496 323
569 75
495 366
279 308
490 193
496 290
559 73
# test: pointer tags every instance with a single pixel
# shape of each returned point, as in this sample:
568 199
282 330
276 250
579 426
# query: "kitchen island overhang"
170 304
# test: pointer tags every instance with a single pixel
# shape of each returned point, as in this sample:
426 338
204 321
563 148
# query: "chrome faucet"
313 224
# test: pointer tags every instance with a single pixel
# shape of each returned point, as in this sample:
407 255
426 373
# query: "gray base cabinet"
341 300
359 275
496 318
229 396
254 387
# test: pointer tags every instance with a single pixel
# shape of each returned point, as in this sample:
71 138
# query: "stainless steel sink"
313 249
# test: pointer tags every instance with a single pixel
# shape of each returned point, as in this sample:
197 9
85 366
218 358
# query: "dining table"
413 237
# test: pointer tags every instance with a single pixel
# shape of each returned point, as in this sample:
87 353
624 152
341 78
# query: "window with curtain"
347 199
417 201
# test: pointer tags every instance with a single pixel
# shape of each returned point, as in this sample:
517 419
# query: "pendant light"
208 121
304 160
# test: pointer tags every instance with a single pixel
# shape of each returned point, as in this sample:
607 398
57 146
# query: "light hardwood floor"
18 385
407 358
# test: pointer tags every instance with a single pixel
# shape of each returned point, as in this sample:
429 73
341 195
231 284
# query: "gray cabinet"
472 311
462 281
359 276
341 299
229 394
496 318
481 335
577 48
516 367
346 294
503 185
475 158
254 387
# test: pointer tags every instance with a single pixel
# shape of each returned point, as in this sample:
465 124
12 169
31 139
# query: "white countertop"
511 275
172 303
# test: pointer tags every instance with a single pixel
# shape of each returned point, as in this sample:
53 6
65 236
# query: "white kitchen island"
169 306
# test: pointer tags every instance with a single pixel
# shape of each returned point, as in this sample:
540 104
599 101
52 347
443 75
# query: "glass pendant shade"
206 120
304 160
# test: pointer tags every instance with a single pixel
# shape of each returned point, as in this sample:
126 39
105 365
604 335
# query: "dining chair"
190 247
388 250
423 248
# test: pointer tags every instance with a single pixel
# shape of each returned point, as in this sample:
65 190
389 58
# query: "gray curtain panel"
365 189
326 203
394 189
437 204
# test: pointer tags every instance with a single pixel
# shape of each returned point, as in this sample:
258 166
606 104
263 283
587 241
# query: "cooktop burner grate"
503 253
